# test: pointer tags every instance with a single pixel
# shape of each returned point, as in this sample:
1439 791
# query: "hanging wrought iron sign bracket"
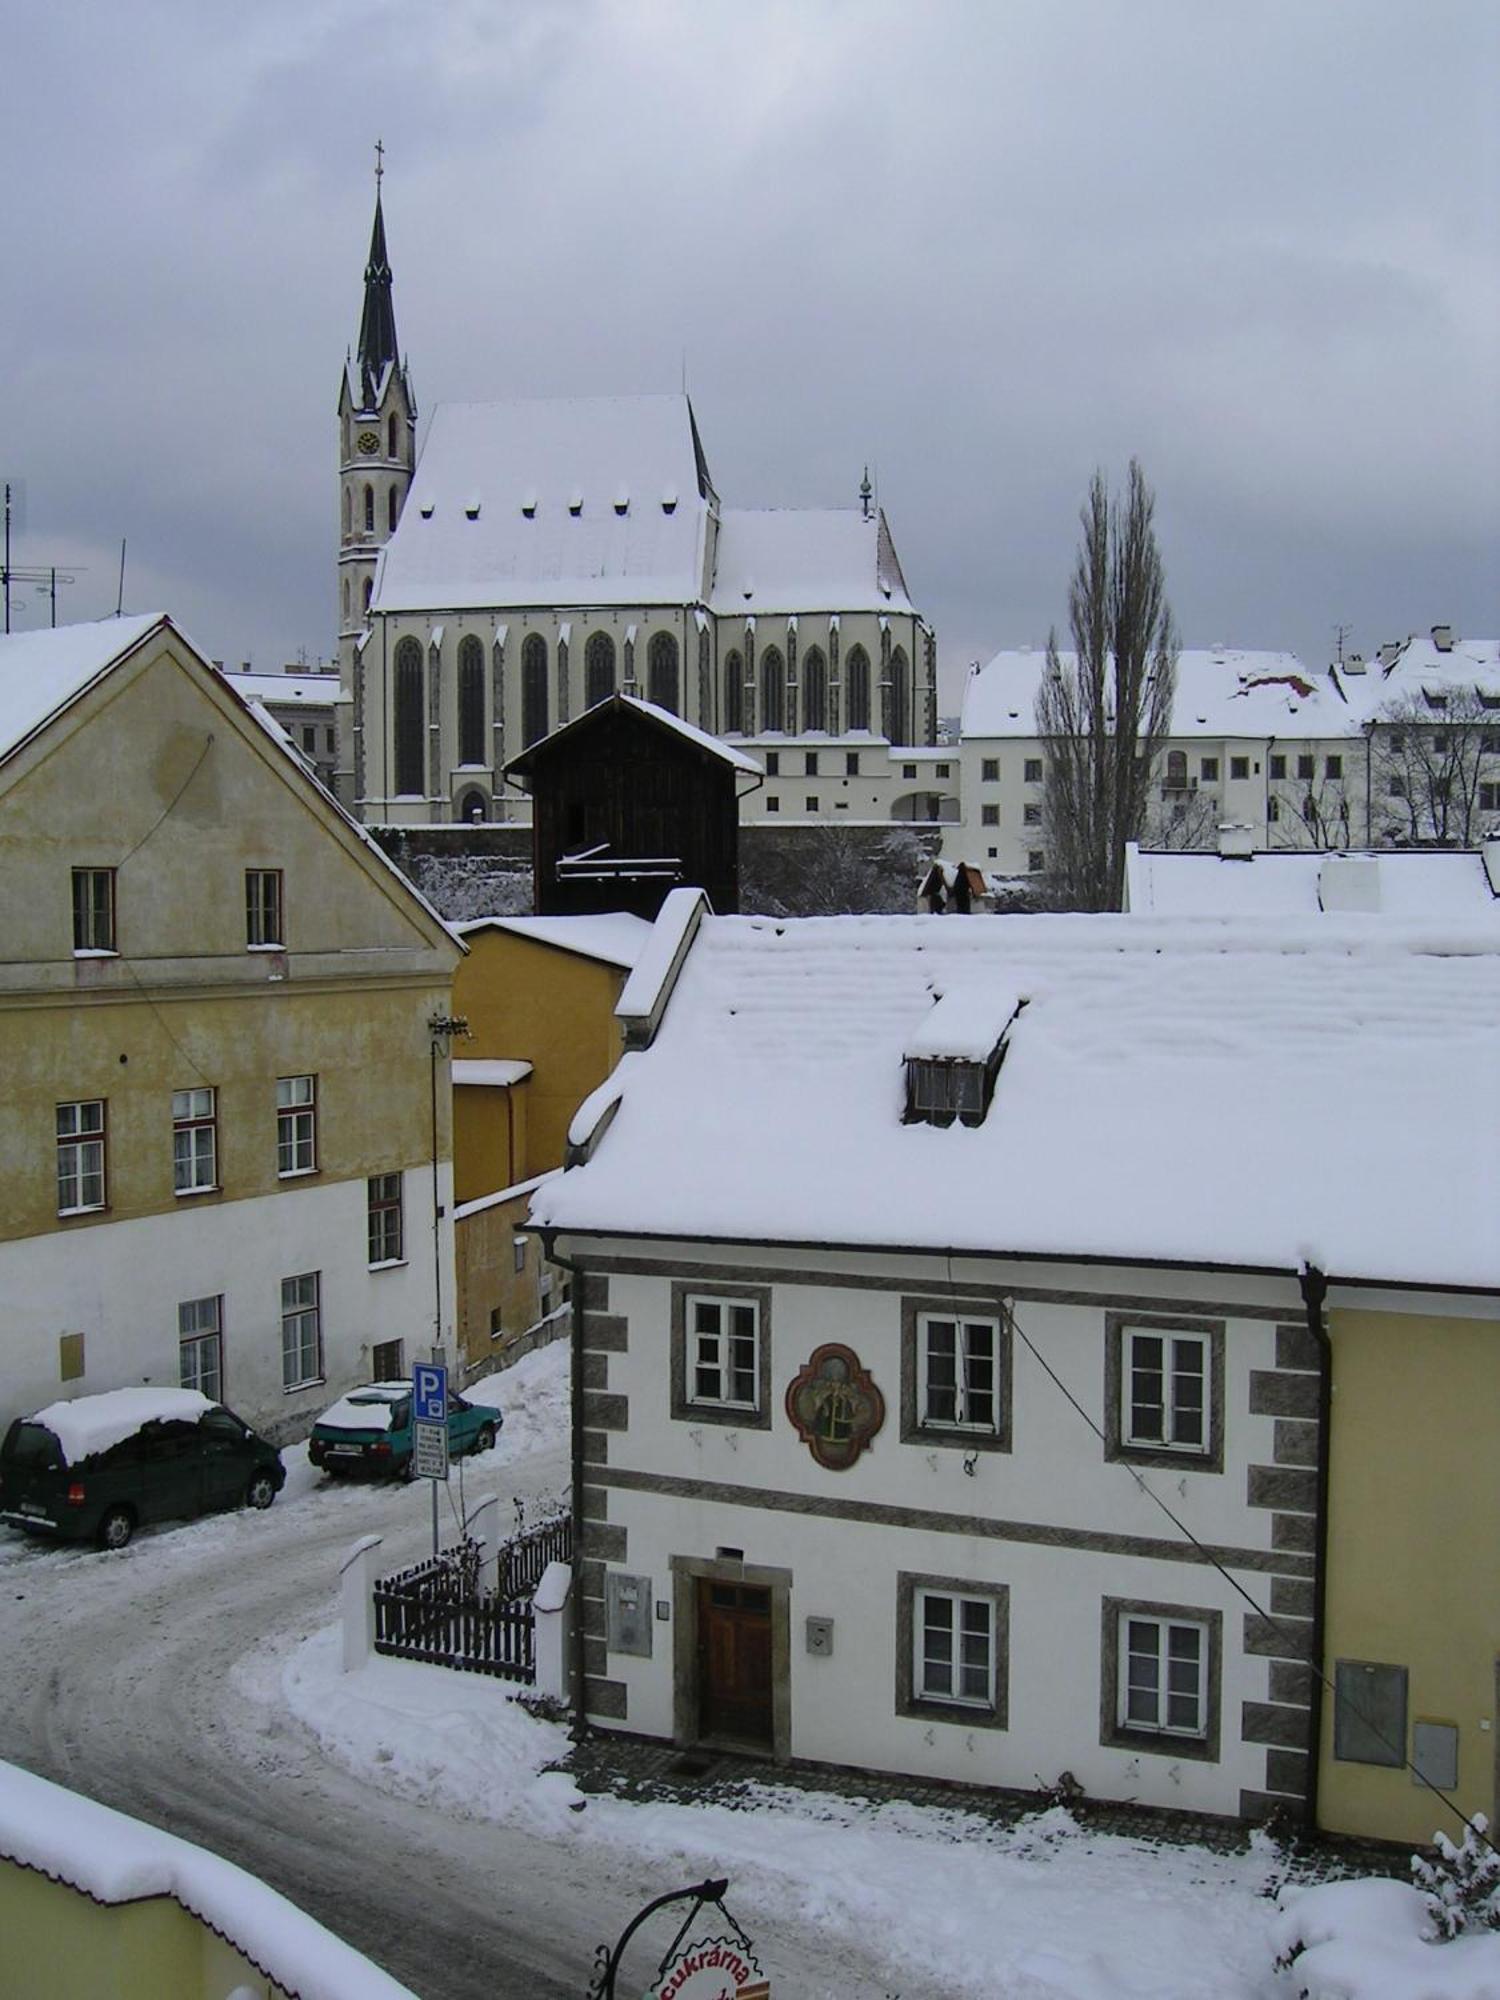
700 1895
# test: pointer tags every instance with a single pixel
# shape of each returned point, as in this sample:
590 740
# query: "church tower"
377 451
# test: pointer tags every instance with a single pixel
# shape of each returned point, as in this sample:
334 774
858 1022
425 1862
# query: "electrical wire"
1315 1667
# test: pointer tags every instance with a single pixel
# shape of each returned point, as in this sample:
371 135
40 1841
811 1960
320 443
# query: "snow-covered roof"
115 1859
303 689
1420 666
94 1423
711 746
613 936
1221 692
41 672
1345 1073
486 1074
1396 883
791 559
584 501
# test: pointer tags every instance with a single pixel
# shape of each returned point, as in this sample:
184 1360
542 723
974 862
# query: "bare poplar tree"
1104 717
1427 754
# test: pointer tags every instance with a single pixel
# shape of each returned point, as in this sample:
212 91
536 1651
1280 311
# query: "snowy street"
192 1680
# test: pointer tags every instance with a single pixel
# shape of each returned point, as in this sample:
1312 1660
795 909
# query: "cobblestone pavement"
630 1768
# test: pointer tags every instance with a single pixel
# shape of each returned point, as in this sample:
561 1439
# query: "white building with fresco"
949 1406
541 555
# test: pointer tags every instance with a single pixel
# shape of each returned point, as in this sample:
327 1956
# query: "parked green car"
370 1430
99 1467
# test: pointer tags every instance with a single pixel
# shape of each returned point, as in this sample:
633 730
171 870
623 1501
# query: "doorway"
734 1663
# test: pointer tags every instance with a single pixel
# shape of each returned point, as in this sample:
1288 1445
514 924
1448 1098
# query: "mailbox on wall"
627 1613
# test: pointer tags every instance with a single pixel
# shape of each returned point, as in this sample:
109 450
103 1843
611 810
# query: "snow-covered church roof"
592 500
792 559
1259 1096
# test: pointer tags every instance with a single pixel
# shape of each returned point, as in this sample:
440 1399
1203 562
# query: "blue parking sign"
430 1393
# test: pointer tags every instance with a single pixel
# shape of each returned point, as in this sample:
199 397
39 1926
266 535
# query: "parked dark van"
99 1467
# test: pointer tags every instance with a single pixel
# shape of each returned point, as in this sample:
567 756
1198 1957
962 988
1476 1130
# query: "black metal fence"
437 1612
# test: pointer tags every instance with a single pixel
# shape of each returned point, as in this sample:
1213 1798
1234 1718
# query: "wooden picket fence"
435 1611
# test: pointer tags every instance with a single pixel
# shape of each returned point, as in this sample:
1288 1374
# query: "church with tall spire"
377 417
546 554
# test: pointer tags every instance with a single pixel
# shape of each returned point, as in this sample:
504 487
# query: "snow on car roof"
368 1409
94 1423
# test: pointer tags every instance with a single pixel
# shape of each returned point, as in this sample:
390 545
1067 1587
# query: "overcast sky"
985 245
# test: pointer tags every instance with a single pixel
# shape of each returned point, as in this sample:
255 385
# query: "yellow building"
539 995
224 1128
95 1905
1413 1591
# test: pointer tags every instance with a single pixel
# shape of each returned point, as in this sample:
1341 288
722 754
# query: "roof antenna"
120 594
865 492
379 165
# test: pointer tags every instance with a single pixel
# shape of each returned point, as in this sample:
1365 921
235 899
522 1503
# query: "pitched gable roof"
41 673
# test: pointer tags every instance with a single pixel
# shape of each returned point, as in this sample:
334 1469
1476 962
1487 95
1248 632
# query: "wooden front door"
734 1663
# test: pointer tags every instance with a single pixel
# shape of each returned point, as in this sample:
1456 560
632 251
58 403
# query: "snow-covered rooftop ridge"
582 501
793 559
115 1859
41 672
1221 691
789 1036
615 937
1419 667
713 745
92 1424
649 987
1408 883
271 688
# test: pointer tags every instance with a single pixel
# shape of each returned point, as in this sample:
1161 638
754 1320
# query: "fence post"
357 1602
480 1526
553 1610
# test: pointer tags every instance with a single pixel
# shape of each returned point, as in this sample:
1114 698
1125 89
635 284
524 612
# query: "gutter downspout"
580 1727
1314 1287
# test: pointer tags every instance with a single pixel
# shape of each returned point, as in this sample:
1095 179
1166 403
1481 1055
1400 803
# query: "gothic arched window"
661 671
472 807
814 689
390 435
598 669
734 695
533 689
346 600
348 512
392 508
470 701
409 717
369 585
900 703
857 683
772 688
369 510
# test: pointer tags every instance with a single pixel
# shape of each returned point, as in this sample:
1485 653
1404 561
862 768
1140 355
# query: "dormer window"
622 501
471 507
952 1060
575 505
528 506
669 500
425 510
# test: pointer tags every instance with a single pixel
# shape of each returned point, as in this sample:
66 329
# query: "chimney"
1389 653
1349 882
1354 663
1442 638
1236 842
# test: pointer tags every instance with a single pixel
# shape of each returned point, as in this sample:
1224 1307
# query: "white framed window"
296 1125
200 1346
94 909
195 1141
959 1373
263 910
1165 1382
724 1352
301 1330
1163 1676
953 1639
81 1181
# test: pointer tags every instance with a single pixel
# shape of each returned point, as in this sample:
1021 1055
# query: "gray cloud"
984 248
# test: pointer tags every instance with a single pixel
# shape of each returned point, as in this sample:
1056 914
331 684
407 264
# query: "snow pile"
94 1423
116 1859
1372 1941
533 1395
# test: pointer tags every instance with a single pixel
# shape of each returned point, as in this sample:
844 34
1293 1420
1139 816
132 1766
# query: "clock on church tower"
368 441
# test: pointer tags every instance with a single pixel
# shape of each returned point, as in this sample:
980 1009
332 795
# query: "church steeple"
377 327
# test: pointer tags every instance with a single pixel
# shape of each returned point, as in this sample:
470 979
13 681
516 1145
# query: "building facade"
204 961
